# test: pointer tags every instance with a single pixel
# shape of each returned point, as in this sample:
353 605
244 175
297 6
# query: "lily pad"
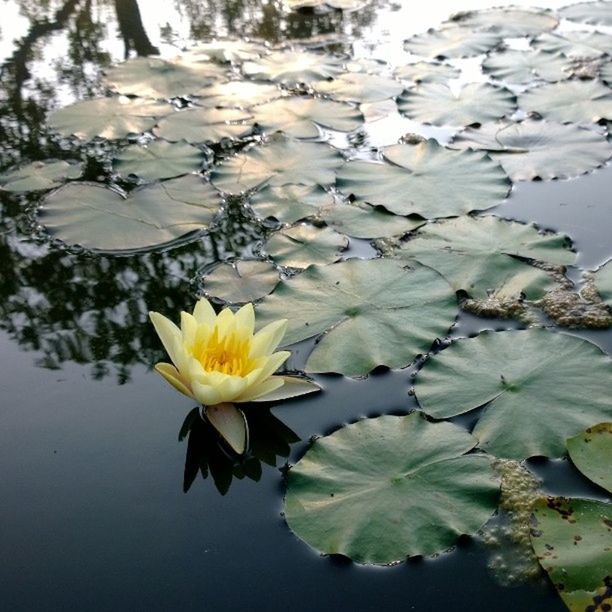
591 452
484 255
523 67
575 45
569 101
279 162
538 149
606 73
538 388
426 179
238 94
225 51
451 42
113 117
360 87
204 125
375 312
158 160
572 539
343 5
39 176
603 282
304 245
241 281
300 116
153 77
438 104
509 22
287 204
594 13
294 67
384 489
99 218
426 72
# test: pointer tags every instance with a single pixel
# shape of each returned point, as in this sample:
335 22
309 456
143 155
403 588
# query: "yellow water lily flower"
220 358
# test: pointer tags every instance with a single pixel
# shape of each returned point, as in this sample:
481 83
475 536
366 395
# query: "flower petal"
267 339
231 424
263 388
204 312
245 319
294 386
167 331
205 394
224 322
189 328
272 364
171 374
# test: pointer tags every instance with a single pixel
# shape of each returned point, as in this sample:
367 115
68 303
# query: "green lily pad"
523 67
569 101
360 87
573 539
365 221
279 162
304 245
294 67
484 255
538 388
451 42
241 281
113 117
426 179
538 149
375 312
238 94
99 218
583 45
39 176
225 51
153 77
300 116
287 204
594 13
438 104
205 125
508 22
381 490
158 160
426 72
603 282
591 452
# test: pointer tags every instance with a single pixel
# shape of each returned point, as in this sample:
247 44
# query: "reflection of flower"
218 358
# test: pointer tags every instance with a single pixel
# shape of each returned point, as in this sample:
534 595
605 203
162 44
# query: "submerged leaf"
384 489
591 452
39 176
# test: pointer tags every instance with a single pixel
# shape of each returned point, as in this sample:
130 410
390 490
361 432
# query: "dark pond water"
92 510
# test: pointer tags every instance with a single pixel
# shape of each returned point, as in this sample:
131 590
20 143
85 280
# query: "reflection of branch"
132 30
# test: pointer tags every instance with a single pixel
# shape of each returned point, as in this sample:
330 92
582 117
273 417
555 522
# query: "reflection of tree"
132 30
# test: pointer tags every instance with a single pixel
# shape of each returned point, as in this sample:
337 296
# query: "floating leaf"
293 67
569 101
304 245
113 117
343 5
523 67
384 489
294 386
153 77
39 176
538 149
426 71
158 160
231 424
204 125
606 73
279 162
538 388
480 255
100 218
375 312
426 179
438 104
591 452
289 203
452 42
573 539
299 116
603 282
360 87
594 13
583 45
508 22
241 281
225 51
238 94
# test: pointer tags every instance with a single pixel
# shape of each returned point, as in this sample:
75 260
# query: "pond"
414 188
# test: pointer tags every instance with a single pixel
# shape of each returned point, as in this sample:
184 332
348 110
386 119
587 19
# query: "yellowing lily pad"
39 176
591 452
381 490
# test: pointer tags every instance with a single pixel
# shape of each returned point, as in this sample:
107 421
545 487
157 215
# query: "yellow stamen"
228 354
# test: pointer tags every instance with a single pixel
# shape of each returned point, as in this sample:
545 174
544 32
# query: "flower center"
228 354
